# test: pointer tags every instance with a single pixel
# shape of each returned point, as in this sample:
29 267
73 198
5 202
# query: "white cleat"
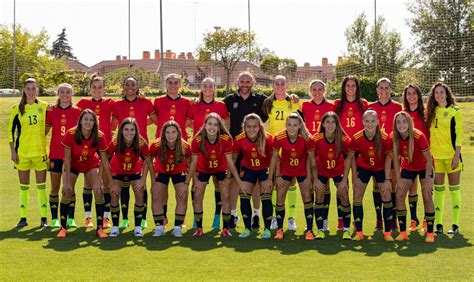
138 232
291 224
177 232
159 231
274 224
325 225
115 231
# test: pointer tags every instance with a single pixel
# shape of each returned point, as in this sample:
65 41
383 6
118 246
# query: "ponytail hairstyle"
207 79
420 110
65 85
78 137
136 81
268 102
320 82
397 136
202 132
343 99
303 131
95 77
378 133
121 140
338 133
22 104
261 136
164 143
432 104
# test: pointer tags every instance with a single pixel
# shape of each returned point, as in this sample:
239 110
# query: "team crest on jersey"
171 159
254 153
213 155
40 110
405 151
97 110
383 116
207 112
85 151
331 154
235 105
317 115
371 152
127 158
173 110
63 120
293 153
131 112
350 112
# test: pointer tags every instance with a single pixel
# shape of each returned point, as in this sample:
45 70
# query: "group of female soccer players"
388 142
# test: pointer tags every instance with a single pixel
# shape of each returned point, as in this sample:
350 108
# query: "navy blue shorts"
204 177
289 178
253 176
409 174
175 178
365 175
127 177
325 180
56 165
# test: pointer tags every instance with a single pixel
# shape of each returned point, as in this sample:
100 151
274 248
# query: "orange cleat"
101 233
226 233
424 227
279 235
62 233
106 223
89 223
413 225
198 232
403 236
309 236
340 224
430 237
387 236
359 236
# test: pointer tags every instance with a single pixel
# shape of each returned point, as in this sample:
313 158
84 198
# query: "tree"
444 33
274 65
114 79
225 47
61 47
32 56
259 54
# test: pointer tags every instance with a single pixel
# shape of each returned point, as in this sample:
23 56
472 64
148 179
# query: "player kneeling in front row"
130 163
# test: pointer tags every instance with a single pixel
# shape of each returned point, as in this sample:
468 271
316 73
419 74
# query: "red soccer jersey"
252 159
368 158
386 113
128 162
419 124
313 113
330 165
293 155
83 157
170 166
421 145
351 116
60 121
199 112
140 109
167 109
103 109
214 160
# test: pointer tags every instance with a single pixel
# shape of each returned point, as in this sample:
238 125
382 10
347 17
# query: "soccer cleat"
340 224
177 232
325 225
101 233
62 233
215 222
226 233
234 220
379 224
115 231
279 235
198 232
387 236
439 229
43 222
292 224
159 231
320 235
124 224
359 236
138 232
403 236
267 234
246 233
71 223
346 235
309 236
430 238
106 223
413 225
89 223
255 222
394 226
144 224
424 226
55 223
454 229
274 224
22 223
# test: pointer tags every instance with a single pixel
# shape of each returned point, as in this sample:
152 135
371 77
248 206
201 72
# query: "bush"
367 87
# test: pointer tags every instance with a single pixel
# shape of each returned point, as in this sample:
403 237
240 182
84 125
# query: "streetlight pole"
14 46
375 37
250 36
161 44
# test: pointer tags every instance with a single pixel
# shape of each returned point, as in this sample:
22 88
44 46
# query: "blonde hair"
261 136
207 79
268 102
68 86
378 132
397 136
303 131
203 133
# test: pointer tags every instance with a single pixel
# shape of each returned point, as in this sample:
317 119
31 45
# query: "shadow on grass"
293 243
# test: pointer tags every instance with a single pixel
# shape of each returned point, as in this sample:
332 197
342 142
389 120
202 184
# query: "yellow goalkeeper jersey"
280 111
446 132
